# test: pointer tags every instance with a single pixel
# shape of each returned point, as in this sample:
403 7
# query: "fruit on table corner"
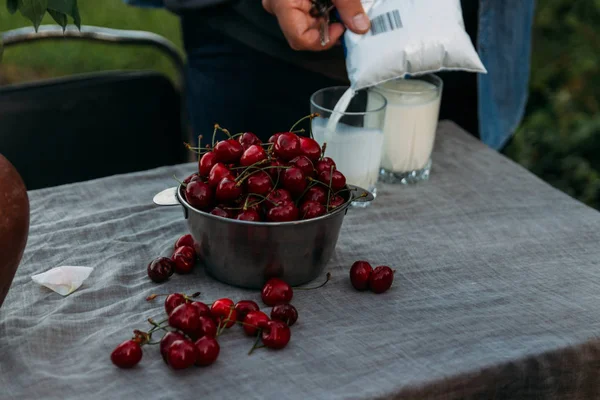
14 223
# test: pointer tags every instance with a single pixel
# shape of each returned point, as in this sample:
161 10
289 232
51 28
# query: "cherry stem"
299 131
223 323
328 278
312 184
330 183
241 177
255 346
214 135
153 296
323 149
225 131
180 182
311 116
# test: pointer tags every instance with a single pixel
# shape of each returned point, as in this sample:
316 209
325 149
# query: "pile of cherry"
193 327
286 179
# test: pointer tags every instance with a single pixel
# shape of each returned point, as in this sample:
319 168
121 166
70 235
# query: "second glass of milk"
410 125
351 124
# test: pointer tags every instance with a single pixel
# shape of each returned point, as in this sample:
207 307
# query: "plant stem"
311 116
255 346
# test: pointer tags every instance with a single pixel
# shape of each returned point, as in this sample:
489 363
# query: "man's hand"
302 30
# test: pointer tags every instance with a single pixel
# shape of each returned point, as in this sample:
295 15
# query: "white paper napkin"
63 280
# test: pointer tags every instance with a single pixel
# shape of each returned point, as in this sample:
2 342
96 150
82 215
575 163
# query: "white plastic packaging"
409 37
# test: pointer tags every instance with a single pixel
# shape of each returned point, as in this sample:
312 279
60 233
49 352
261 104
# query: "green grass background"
558 140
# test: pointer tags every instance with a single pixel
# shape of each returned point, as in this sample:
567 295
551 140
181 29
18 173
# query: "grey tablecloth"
497 294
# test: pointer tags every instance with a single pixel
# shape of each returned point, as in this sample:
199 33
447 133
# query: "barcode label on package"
389 21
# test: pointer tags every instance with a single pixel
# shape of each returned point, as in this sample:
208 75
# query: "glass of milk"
410 125
351 125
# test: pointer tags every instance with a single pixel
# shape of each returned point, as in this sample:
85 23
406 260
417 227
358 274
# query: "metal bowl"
247 254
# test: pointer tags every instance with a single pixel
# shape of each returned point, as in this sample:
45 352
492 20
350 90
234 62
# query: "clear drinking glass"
410 125
353 134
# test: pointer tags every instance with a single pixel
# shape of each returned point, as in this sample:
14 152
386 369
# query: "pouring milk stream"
407 38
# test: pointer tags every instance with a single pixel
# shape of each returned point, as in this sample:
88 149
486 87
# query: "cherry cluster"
182 261
363 277
193 327
286 179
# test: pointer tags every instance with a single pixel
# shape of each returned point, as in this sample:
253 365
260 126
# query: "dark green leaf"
63 6
34 10
12 5
76 16
1 50
59 17
68 7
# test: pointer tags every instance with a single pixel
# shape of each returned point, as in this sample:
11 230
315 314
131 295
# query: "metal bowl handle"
360 195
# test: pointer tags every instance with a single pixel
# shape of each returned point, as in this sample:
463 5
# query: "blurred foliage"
59 58
559 139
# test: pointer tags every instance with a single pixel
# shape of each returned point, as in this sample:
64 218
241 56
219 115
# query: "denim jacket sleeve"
504 46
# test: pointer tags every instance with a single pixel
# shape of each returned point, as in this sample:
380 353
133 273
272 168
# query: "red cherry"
192 177
337 179
247 139
287 146
217 173
273 138
283 213
206 327
259 183
310 148
160 269
325 164
184 258
312 209
185 318
305 165
336 201
360 273
274 169
224 309
277 197
127 354
199 195
173 301
185 240
228 151
206 163
276 335
249 215
286 313
203 309
207 351
294 181
166 341
381 279
181 354
276 291
254 321
243 307
228 190
316 193
221 212
253 155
